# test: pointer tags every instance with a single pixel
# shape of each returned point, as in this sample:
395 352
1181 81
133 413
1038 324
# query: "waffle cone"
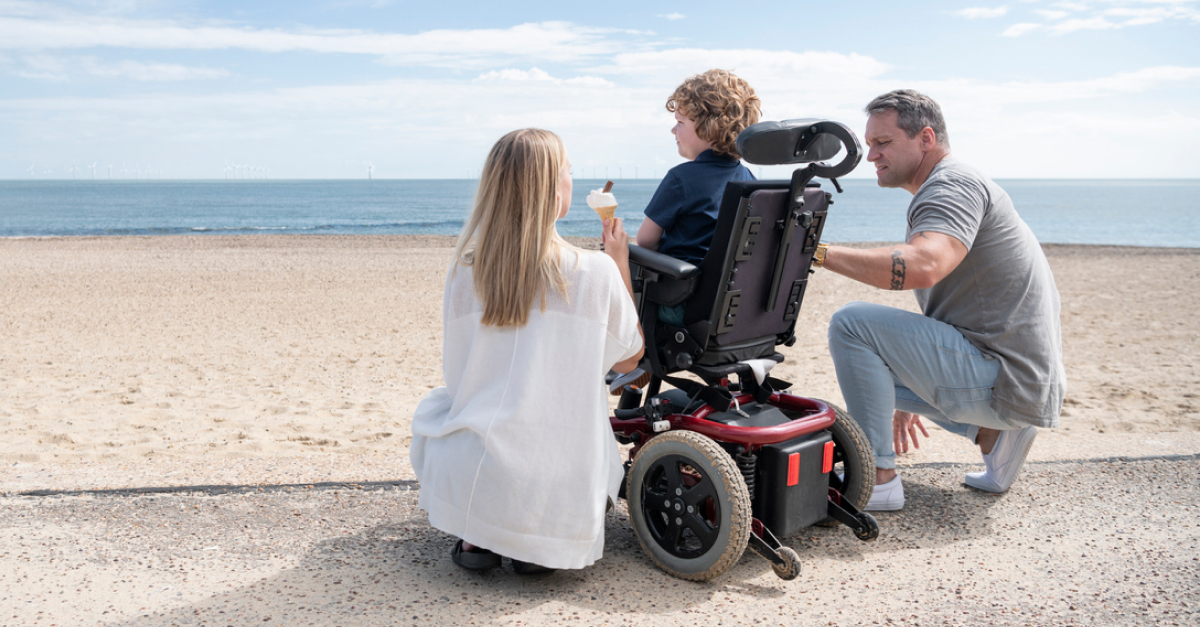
606 213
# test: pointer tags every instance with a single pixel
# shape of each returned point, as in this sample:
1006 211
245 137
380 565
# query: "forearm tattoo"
898 268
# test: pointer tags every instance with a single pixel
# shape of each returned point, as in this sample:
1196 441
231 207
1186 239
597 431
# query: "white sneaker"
636 377
1004 462
888 497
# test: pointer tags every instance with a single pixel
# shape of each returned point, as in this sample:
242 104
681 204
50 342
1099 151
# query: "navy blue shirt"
686 203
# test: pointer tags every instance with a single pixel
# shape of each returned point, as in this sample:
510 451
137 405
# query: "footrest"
863 525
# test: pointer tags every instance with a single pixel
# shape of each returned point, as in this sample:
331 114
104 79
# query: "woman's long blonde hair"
510 239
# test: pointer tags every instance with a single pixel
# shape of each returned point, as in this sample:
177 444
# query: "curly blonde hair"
721 104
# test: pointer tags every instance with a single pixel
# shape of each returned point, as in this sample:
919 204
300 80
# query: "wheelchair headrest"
801 141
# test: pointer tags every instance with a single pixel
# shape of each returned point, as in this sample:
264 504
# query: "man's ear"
928 139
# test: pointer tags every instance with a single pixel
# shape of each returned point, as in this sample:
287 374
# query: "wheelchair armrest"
665 265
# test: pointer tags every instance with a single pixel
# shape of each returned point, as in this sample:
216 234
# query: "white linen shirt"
515 453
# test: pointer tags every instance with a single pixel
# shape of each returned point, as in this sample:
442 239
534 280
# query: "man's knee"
845 319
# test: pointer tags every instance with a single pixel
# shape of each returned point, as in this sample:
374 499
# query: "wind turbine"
72 169
93 167
110 171
31 166
370 170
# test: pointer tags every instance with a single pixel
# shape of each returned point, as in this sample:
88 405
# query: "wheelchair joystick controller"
656 411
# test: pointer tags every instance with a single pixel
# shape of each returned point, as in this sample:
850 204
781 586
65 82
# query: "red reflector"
793 469
827 464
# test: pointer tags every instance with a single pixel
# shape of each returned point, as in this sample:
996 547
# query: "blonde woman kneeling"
515 455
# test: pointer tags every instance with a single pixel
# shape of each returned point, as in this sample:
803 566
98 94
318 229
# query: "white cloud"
1091 23
1014 93
55 68
1016 30
29 29
673 16
539 75
976 13
138 71
674 65
1108 15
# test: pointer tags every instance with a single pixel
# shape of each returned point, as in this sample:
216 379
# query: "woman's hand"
616 245
616 241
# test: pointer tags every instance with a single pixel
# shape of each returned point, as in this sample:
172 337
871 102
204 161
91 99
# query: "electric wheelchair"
728 459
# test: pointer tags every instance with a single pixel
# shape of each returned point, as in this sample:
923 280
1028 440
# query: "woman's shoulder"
588 262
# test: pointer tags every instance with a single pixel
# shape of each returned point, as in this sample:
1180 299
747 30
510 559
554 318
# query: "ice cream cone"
606 213
603 202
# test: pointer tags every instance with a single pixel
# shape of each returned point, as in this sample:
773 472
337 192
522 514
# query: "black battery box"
791 478
792 483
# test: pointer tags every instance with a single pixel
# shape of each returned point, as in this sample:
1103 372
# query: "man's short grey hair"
914 112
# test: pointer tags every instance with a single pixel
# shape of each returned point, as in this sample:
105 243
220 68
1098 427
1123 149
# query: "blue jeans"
888 359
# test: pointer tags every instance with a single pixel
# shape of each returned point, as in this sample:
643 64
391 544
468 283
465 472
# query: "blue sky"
188 89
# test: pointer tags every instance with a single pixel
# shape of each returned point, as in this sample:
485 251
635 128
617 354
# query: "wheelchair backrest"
746 296
753 279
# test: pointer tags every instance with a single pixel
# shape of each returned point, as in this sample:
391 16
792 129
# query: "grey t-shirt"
1002 296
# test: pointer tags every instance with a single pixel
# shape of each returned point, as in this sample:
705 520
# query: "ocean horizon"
1130 212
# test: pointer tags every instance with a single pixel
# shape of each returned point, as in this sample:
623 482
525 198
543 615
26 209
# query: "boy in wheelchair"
710 109
720 465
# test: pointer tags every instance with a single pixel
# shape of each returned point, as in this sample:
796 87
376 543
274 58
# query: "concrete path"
1080 540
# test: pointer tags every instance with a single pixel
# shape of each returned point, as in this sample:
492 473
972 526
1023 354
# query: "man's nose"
872 155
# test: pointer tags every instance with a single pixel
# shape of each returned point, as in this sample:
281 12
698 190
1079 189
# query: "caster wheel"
869 530
790 569
689 505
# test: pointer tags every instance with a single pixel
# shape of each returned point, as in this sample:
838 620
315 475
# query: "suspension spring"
748 464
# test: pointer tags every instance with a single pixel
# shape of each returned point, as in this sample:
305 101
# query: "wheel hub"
678 505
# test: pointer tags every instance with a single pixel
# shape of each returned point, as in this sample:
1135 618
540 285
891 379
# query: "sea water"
1163 213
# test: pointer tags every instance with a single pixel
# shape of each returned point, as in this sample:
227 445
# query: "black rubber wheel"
790 569
689 505
853 471
870 528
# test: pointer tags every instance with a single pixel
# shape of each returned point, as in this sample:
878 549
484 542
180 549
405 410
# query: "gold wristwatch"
819 255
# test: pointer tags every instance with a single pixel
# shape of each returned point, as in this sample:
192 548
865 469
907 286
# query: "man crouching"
984 359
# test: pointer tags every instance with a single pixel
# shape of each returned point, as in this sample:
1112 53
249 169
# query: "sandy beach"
266 383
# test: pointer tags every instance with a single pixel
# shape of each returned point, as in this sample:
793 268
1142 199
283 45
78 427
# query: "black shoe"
475 559
526 568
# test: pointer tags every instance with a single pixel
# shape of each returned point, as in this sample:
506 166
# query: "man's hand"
904 430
